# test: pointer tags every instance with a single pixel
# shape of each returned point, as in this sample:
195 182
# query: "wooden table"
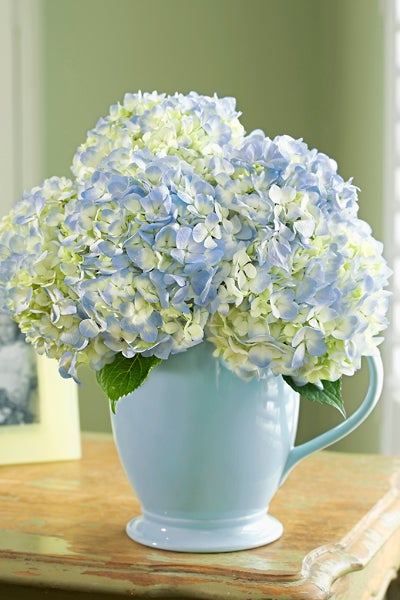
62 535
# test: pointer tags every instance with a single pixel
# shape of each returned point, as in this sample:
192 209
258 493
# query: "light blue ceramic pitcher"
205 452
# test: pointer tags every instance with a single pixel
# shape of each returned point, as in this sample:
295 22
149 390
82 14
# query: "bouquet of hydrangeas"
178 228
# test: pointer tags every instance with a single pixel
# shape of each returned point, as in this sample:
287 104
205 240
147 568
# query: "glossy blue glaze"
205 452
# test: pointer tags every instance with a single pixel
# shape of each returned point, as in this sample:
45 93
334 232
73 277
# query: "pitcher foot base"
192 535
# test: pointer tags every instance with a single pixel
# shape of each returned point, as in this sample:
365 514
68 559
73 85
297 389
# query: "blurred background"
307 68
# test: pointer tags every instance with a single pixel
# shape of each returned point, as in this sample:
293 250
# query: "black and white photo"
18 377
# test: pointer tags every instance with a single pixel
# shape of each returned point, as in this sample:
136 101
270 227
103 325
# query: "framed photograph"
39 416
38 409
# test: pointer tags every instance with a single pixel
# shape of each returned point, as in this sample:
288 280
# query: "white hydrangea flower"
313 298
198 129
178 228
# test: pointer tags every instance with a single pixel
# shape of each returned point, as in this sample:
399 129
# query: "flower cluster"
305 298
198 129
179 228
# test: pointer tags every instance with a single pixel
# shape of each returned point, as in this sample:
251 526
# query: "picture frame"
52 432
55 435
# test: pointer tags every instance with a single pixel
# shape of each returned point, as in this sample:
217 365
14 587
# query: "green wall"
309 68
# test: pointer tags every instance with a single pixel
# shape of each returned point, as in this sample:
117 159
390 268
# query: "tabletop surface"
62 527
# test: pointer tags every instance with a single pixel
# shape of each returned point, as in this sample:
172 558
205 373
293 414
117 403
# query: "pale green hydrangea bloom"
198 129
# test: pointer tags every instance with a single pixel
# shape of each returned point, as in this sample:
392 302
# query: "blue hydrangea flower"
319 302
178 228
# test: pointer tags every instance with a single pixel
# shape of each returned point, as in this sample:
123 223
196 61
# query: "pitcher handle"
340 431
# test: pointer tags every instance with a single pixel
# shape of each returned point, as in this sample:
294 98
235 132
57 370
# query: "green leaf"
125 375
331 393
